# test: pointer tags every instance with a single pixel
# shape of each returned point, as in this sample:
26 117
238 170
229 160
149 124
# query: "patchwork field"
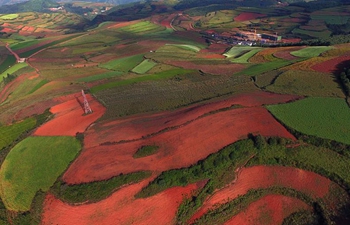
192 122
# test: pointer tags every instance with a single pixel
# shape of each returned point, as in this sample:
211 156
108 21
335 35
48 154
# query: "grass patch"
95 191
144 66
307 83
8 62
245 57
123 64
100 76
9 17
146 151
310 52
264 67
141 27
187 47
32 165
23 44
157 76
10 133
38 85
13 69
237 51
323 117
316 34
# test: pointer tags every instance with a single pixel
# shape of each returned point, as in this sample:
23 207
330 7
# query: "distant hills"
136 8
28 6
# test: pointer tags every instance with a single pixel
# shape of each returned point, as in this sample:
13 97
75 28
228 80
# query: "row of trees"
7 79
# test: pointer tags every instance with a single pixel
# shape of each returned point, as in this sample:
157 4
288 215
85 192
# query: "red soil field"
248 16
180 147
210 56
266 176
7 30
69 117
285 53
120 208
217 69
330 66
270 209
163 20
218 48
136 127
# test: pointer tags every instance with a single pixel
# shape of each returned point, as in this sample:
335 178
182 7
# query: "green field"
144 66
314 34
32 165
306 83
264 67
331 19
237 51
23 44
141 27
9 17
245 57
157 76
10 133
187 47
8 62
323 117
310 52
100 76
123 64
38 85
13 69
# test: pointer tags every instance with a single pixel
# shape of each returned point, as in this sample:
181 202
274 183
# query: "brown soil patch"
285 53
270 209
69 117
248 16
180 146
210 56
330 66
217 69
120 208
266 176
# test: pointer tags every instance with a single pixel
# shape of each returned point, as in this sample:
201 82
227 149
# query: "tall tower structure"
87 108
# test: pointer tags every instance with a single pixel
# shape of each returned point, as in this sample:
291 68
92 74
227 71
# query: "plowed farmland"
177 142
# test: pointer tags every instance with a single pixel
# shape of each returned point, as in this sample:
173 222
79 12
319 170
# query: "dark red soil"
285 54
330 66
248 16
271 209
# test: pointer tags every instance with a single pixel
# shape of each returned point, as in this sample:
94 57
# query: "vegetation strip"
226 211
95 191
